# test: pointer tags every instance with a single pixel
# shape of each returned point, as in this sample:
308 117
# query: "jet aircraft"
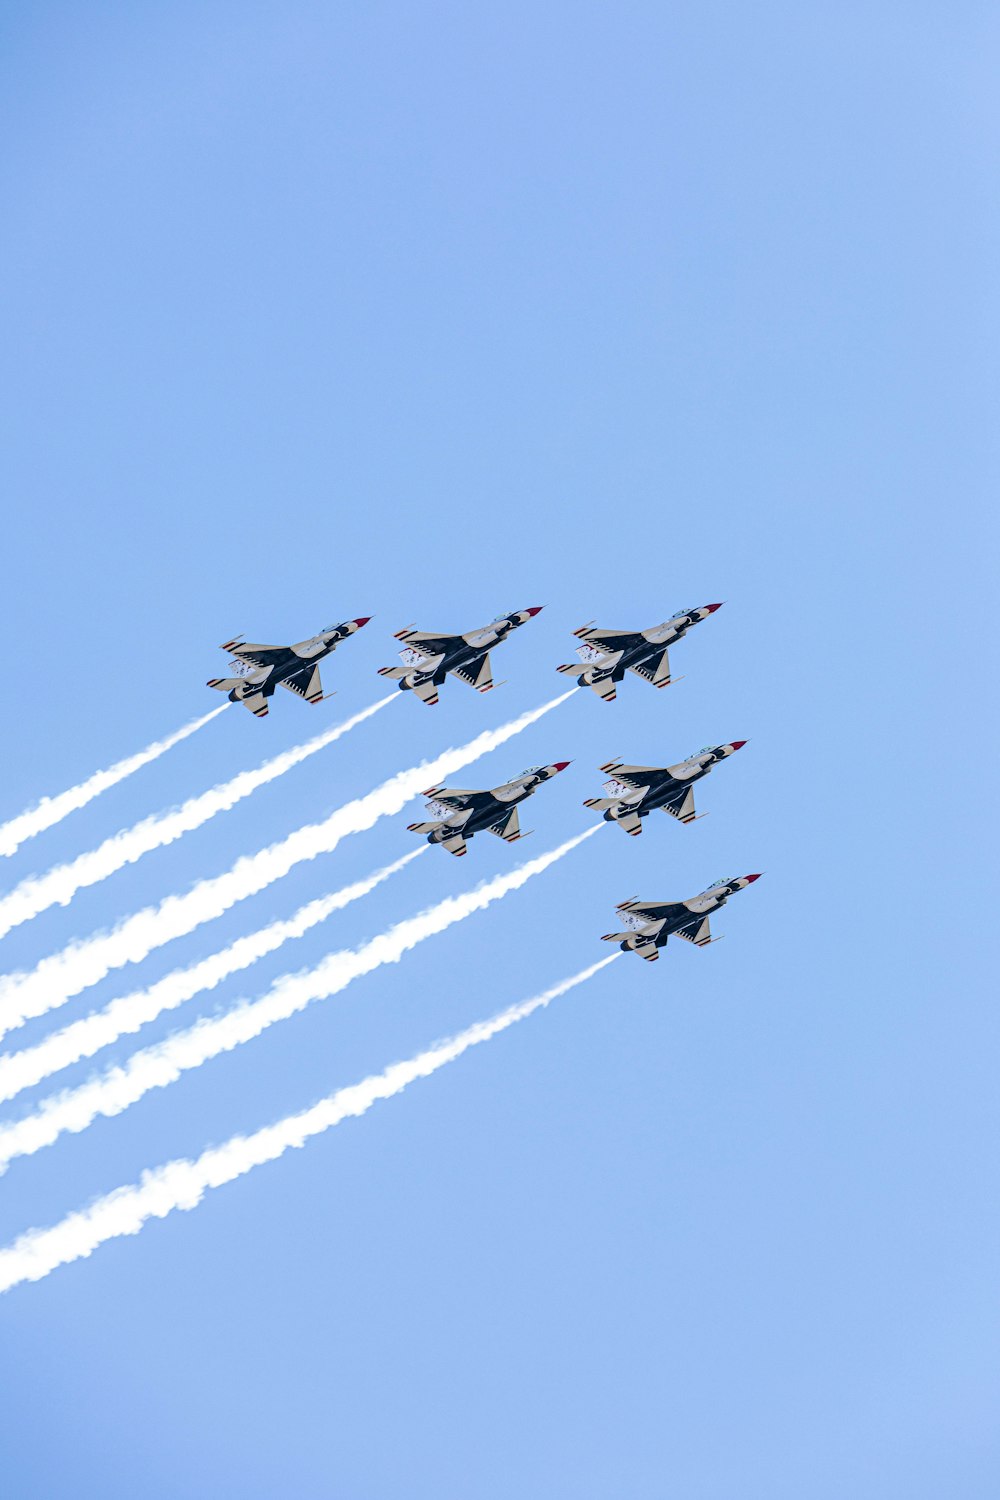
428 658
608 654
260 669
636 791
464 814
652 922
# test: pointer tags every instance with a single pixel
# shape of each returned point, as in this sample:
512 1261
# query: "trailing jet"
652 922
609 654
635 791
428 658
463 814
260 669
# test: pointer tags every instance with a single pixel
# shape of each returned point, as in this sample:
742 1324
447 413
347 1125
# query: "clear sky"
433 311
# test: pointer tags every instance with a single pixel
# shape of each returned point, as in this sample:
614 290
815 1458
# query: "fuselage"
607 654
430 665
665 787
271 665
653 922
482 810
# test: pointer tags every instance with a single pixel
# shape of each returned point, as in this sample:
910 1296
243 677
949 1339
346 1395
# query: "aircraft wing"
478 674
680 804
634 775
429 642
655 911
608 640
259 656
453 796
697 931
305 684
655 669
507 827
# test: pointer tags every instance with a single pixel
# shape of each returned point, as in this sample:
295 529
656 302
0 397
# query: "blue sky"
429 312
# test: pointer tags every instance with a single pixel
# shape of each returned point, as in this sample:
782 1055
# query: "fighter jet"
652 922
464 814
428 658
260 669
608 654
635 791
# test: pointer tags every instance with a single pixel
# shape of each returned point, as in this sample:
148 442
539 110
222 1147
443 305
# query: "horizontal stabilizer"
642 946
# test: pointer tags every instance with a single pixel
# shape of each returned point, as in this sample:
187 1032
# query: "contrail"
57 978
21 1070
183 1183
59 886
52 810
114 1091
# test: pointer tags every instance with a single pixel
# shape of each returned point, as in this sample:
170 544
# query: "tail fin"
397 672
423 827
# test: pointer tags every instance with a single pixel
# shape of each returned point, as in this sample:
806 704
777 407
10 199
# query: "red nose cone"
737 744
362 620
560 765
536 611
749 878
713 607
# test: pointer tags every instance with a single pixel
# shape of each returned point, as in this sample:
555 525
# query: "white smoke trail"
183 1183
51 810
57 978
114 1091
127 1014
59 886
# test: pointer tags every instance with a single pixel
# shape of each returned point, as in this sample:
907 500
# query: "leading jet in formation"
651 923
428 658
261 669
636 791
463 814
609 654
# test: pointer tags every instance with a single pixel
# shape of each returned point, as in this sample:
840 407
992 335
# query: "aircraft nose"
750 878
362 620
560 765
713 607
737 744
536 611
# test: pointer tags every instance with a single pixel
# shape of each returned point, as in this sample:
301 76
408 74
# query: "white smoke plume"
128 1013
51 810
58 887
182 1184
82 963
155 1067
